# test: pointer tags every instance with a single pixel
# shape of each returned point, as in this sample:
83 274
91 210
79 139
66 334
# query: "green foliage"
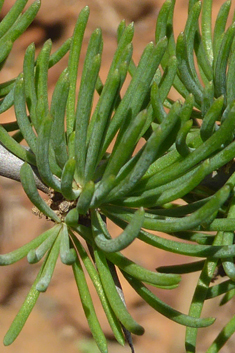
187 154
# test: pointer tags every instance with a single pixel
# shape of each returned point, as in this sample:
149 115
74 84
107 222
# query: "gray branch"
10 168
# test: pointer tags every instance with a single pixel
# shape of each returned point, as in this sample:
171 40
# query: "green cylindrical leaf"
28 183
42 155
207 29
29 79
220 67
115 301
182 269
49 266
59 53
7 101
123 150
21 115
180 142
112 319
165 309
88 307
74 56
223 337
11 16
67 255
102 190
185 73
220 25
85 198
23 313
102 117
67 180
123 240
161 25
72 217
58 107
83 112
142 274
37 254
41 78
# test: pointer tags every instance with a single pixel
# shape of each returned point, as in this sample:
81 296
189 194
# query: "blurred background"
57 324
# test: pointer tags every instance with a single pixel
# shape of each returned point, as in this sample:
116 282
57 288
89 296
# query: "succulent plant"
187 154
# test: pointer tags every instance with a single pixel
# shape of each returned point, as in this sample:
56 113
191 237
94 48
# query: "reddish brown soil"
57 324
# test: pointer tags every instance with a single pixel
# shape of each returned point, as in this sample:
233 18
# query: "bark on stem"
10 168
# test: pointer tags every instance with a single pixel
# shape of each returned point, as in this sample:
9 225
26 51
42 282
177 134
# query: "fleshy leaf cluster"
170 168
